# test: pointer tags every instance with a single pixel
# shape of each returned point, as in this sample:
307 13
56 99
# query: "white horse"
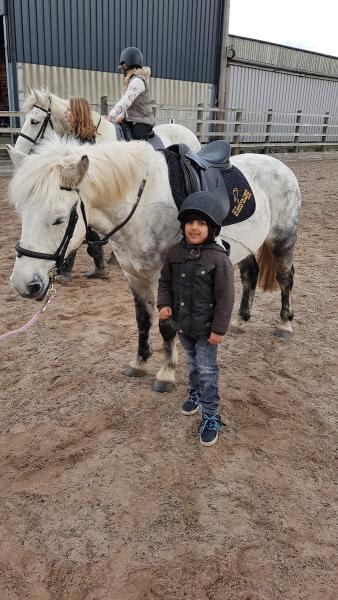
51 184
44 112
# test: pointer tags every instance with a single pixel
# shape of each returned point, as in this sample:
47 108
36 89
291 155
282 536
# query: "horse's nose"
34 289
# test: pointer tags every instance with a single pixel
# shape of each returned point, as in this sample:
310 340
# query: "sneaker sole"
191 412
209 443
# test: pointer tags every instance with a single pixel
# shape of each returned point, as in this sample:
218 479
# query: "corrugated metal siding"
94 84
253 89
273 55
180 39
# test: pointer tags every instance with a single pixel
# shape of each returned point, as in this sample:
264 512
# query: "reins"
105 239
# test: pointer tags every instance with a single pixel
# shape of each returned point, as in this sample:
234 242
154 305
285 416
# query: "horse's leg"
284 275
249 274
276 265
165 378
144 307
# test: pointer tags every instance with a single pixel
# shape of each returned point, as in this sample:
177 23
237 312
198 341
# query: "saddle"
124 133
203 170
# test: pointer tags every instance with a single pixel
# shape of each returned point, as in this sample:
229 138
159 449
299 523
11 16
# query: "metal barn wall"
180 38
283 57
253 89
93 84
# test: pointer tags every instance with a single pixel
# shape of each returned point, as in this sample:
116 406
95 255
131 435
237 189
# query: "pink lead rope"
50 297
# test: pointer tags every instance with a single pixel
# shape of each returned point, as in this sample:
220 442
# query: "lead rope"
50 297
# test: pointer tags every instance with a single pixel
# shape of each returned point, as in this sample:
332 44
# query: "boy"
196 292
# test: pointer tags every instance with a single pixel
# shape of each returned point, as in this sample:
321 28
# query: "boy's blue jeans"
203 371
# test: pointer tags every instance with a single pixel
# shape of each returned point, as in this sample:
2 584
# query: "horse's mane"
113 167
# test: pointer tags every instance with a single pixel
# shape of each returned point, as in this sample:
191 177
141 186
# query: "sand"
106 492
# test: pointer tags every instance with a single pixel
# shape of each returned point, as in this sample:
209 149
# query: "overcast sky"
307 24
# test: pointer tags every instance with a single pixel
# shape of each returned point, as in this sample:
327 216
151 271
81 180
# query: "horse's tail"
267 279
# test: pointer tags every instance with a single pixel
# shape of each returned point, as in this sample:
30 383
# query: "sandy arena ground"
106 493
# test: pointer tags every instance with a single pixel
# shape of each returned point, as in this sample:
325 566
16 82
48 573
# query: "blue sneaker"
190 406
209 428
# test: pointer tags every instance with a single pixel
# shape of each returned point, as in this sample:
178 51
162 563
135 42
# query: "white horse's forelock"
111 165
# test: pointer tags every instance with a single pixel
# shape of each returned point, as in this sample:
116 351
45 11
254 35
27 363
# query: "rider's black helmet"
205 205
132 57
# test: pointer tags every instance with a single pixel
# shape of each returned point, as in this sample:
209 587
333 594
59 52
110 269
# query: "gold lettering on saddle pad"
240 202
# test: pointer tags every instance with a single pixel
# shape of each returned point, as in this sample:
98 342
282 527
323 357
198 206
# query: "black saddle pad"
242 200
154 141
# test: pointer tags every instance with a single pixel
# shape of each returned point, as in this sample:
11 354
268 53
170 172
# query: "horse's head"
44 113
44 192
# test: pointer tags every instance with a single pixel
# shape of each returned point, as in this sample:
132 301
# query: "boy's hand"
119 119
215 338
166 312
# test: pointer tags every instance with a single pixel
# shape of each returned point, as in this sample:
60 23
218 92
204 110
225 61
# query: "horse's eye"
34 122
58 221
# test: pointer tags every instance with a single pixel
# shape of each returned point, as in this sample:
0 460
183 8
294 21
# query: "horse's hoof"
132 372
162 386
283 334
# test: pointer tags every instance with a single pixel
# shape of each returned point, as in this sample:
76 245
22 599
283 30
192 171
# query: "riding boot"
100 271
67 267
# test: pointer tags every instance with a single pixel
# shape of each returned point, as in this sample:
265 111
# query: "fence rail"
246 130
9 128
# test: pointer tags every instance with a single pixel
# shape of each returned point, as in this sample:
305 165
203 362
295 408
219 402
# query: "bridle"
59 256
41 132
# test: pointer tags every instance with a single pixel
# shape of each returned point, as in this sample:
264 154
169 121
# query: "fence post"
237 132
220 127
297 128
324 130
104 105
199 120
268 131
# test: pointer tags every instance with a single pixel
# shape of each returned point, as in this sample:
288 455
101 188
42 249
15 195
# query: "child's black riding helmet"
206 206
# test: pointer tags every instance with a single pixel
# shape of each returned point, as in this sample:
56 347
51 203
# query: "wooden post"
237 131
297 128
223 64
104 105
268 131
199 120
324 130
222 87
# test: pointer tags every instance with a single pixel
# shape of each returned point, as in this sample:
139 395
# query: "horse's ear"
72 176
16 156
35 93
82 166
30 90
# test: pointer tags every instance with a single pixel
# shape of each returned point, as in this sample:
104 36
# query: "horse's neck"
58 114
105 129
153 226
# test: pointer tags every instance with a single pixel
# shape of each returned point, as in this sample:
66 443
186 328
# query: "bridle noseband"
41 132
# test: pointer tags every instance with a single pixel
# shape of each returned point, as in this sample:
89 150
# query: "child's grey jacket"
197 282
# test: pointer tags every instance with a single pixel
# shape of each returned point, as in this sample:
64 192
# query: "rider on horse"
134 111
